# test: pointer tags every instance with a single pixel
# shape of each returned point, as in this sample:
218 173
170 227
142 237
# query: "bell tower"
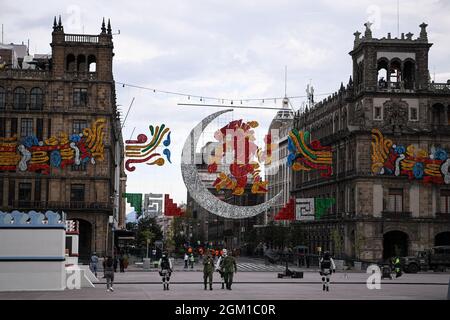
81 56
390 64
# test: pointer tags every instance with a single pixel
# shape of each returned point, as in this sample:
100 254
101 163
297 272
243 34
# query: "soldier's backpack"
325 264
165 264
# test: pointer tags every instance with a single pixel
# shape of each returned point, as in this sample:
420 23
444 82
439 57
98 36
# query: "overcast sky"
230 49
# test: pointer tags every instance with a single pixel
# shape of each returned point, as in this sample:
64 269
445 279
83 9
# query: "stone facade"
377 216
78 63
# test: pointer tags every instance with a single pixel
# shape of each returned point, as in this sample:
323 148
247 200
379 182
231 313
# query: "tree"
147 228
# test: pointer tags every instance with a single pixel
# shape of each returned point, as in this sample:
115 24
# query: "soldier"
229 268
327 267
166 270
219 266
208 269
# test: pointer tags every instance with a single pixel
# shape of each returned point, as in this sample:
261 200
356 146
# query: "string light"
203 98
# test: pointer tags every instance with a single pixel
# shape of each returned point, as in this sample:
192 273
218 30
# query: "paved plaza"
187 285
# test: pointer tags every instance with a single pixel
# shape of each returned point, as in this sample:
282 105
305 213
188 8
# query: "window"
445 201
24 194
39 129
80 97
377 113
26 127
37 190
1 192
77 192
36 99
2 98
20 99
413 114
11 192
13 127
2 127
395 200
80 167
78 126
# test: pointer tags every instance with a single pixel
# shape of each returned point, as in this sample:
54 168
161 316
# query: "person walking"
122 263
93 263
208 269
397 267
186 260
109 274
165 265
191 260
219 266
229 268
327 267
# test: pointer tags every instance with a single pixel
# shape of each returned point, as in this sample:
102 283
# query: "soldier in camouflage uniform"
208 269
229 268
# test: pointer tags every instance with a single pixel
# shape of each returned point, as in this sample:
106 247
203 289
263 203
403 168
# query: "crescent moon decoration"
197 189
139 151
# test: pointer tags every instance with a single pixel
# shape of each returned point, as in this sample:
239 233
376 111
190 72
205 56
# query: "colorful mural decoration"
30 154
306 155
397 160
153 204
139 151
305 209
171 209
237 138
135 201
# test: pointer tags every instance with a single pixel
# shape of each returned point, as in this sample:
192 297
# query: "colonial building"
278 173
389 129
60 137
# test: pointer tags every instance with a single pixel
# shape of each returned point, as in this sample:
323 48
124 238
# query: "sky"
226 49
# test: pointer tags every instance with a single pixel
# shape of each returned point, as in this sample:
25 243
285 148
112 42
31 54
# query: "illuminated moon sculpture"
197 189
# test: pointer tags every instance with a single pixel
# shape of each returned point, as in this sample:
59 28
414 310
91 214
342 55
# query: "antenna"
398 18
285 80
2 33
132 133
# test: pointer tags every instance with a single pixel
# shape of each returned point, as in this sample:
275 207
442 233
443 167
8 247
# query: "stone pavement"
253 286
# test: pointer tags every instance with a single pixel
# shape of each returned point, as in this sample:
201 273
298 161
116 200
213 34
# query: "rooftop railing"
81 38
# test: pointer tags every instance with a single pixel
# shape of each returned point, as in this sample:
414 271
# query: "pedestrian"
229 268
165 272
121 263
327 267
115 263
192 260
186 260
208 269
93 263
219 266
397 267
109 274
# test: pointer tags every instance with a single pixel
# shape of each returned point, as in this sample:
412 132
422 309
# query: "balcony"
60 205
439 87
79 75
83 38
396 215
24 74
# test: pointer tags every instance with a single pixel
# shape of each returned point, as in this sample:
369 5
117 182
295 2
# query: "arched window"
2 98
70 63
382 67
36 99
92 63
409 74
81 63
20 99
